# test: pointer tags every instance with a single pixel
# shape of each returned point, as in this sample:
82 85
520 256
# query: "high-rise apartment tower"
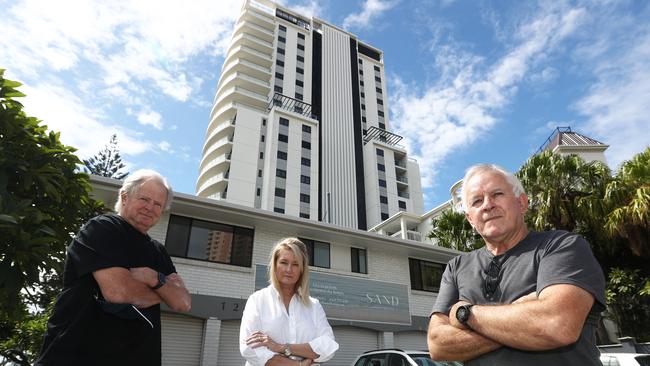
300 124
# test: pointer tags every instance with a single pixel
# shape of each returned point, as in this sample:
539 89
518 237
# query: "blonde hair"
136 179
299 251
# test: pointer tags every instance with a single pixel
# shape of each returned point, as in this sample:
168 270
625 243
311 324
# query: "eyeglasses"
492 277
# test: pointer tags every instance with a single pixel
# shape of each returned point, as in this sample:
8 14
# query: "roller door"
352 342
182 340
412 341
229 344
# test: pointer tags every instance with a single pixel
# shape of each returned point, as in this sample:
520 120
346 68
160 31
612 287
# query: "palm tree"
628 197
452 230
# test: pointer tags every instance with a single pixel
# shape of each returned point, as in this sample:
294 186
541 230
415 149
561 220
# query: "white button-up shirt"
265 312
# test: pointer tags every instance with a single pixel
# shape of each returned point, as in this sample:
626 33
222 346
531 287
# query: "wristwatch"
162 279
463 312
287 350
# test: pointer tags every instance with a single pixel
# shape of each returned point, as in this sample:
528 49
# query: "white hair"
136 179
515 183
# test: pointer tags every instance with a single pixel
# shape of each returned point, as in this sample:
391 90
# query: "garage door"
182 340
352 342
229 344
413 341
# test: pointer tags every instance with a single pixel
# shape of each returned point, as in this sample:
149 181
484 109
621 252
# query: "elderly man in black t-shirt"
114 280
526 298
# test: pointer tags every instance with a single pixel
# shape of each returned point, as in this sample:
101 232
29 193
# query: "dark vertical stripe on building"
358 138
316 103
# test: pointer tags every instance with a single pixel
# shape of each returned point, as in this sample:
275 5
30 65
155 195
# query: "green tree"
628 301
452 230
44 200
628 198
108 162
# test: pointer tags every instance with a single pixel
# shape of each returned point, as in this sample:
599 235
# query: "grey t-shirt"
540 260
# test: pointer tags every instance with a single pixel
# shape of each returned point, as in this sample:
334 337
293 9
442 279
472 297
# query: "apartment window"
381 167
282 155
300 58
279 192
363 119
282 39
209 241
279 76
298 96
363 107
301 36
360 72
384 216
282 27
380 102
300 83
263 121
306 128
262 138
380 113
382 126
278 209
284 121
359 262
305 179
283 137
319 253
281 51
304 215
378 79
259 173
304 198
300 70
401 204
361 82
261 154
305 162
281 173
376 68
301 47
279 62
380 152
382 183
258 192
425 275
360 61
306 145
378 90
363 95
383 199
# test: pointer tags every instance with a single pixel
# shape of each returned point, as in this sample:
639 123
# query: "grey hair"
136 179
515 183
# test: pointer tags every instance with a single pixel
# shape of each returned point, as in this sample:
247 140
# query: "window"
304 198
282 27
305 162
380 113
425 275
283 137
378 90
298 96
359 263
284 121
262 138
279 192
261 154
381 167
279 62
281 51
363 119
300 58
300 83
401 204
377 78
376 68
304 215
301 47
384 216
306 128
383 199
259 173
380 102
363 107
282 155
279 76
360 72
300 70
280 173
361 82
263 121
382 126
282 39
382 183
380 152
301 36
306 145
209 241
278 209
319 253
258 192
305 179
360 61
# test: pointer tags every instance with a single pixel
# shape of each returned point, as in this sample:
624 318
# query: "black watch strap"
162 279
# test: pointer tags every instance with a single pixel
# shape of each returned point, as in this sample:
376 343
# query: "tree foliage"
452 230
44 200
107 162
628 301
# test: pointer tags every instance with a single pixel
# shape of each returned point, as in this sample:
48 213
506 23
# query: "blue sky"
469 81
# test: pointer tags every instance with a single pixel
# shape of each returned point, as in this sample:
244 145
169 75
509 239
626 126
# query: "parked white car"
398 357
625 359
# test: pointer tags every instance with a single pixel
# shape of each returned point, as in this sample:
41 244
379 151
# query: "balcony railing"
384 136
402 179
403 194
291 104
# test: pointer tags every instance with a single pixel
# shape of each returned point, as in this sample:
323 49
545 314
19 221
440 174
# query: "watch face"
462 314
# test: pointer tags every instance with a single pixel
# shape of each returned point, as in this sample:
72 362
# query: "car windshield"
643 360
423 359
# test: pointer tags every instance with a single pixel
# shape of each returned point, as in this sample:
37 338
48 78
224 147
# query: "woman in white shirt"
282 325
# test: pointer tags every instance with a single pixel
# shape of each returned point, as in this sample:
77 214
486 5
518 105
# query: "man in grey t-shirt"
526 298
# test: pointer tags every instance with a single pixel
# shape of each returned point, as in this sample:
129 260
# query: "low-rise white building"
377 291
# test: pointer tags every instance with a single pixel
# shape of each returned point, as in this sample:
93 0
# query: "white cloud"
371 10
150 118
165 146
465 102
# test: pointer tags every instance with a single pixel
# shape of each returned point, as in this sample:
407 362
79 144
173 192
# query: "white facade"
208 335
284 67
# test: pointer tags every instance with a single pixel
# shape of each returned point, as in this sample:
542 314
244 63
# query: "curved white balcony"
247 67
216 183
249 40
241 95
226 128
219 147
254 29
259 18
249 53
245 81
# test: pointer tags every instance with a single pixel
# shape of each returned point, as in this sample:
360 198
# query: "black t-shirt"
83 328
540 260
